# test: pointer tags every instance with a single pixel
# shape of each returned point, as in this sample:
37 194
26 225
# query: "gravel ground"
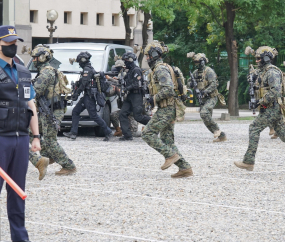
120 194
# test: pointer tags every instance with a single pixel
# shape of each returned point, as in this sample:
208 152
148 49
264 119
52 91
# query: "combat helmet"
129 56
199 58
83 58
265 53
119 64
155 50
44 54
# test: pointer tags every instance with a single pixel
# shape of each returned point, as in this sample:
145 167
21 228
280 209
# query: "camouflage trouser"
271 117
116 121
50 147
206 113
162 123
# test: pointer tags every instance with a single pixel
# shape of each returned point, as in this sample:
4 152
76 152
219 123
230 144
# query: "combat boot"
65 172
220 139
125 138
242 165
42 167
69 135
170 161
183 173
271 131
118 132
275 136
217 133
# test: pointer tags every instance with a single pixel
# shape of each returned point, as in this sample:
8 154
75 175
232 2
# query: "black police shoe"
108 137
69 135
125 138
22 241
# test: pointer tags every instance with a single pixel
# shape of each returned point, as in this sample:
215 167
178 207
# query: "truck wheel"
99 131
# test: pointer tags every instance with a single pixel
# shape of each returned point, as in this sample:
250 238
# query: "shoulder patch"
136 75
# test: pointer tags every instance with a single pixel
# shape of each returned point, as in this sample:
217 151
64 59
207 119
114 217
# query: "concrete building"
78 21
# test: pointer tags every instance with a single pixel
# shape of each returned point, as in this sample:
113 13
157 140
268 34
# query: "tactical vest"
264 89
129 77
15 114
154 86
203 83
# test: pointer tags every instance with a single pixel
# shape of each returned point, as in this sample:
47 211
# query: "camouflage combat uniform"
159 132
116 122
50 147
206 80
270 114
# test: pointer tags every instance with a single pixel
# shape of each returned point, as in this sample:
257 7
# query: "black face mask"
82 64
9 50
129 64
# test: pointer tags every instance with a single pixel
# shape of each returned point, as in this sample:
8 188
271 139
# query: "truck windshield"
65 66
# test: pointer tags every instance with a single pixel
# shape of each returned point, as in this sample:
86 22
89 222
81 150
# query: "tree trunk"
231 46
127 25
147 17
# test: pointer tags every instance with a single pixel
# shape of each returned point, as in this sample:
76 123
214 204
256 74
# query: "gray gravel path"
120 194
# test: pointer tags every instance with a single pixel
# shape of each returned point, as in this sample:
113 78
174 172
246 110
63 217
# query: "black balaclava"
130 64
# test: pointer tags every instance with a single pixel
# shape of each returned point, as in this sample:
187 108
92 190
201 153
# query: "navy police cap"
8 33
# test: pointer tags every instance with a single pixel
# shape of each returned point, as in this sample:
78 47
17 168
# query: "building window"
131 18
67 17
33 16
84 18
115 19
100 19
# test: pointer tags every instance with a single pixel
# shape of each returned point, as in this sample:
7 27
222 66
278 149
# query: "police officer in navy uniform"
134 101
87 101
17 113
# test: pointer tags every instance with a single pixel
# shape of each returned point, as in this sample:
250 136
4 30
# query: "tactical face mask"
128 64
9 50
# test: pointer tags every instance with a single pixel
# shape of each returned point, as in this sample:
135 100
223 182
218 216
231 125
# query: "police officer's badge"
11 31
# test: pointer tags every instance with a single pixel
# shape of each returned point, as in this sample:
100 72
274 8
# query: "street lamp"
51 16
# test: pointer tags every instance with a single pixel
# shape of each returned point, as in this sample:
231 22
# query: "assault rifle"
196 90
252 102
45 110
122 84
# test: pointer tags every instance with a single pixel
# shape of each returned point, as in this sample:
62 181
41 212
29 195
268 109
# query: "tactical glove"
74 97
203 93
183 98
255 104
151 102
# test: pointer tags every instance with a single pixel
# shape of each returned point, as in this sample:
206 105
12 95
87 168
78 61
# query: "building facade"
78 21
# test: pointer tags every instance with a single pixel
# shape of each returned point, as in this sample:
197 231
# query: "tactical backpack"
280 100
177 78
61 83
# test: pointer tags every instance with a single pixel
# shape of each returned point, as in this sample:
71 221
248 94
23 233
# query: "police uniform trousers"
14 160
132 104
269 117
90 104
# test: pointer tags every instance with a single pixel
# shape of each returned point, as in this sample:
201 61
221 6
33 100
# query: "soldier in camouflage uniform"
114 117
159 132
270 93
44 85
206 79
255 74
